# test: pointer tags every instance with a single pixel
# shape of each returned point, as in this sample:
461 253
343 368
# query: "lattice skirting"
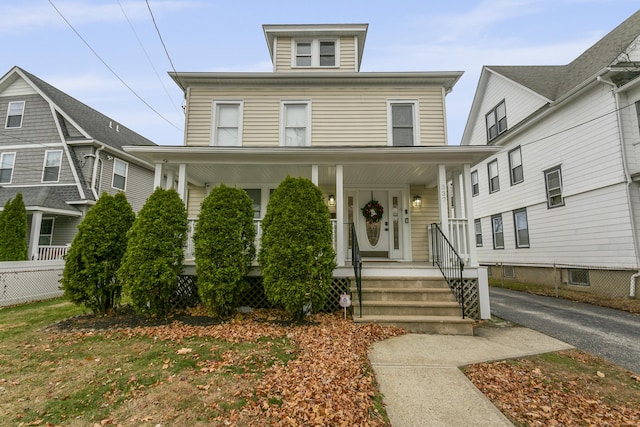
254 297
471 297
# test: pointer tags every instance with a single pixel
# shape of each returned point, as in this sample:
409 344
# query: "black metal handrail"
449 262
356 262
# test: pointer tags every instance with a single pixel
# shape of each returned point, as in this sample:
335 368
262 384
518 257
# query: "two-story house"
359 136
62 155
560 203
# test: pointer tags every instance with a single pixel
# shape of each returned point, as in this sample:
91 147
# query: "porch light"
332 200
417 201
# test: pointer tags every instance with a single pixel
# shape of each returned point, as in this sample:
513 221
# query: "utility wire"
110 69
147 55
163 45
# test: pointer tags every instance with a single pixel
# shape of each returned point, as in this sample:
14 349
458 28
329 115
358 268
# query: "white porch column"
34 237
314 174
157 177
468 203
170 180
442 200
340 255
182 182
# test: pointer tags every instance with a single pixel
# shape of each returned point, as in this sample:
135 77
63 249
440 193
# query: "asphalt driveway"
611 334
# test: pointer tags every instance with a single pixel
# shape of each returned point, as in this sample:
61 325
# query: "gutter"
96 162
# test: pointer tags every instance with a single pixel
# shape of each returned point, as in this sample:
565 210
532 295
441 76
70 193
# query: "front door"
379 236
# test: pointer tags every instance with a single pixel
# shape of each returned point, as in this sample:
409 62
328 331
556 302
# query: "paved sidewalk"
423 387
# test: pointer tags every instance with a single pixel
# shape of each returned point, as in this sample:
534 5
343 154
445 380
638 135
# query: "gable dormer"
316 47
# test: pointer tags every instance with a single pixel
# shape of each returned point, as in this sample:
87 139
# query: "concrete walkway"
423 387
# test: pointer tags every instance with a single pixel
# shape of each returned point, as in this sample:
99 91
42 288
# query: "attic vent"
110 125
117 128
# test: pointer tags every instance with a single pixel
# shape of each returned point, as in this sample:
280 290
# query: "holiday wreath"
373 211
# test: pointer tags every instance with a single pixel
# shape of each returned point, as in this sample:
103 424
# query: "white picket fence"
25 281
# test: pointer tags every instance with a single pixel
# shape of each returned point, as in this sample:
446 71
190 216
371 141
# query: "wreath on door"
373 211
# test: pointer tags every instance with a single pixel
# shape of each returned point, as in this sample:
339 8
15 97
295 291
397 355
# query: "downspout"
96 163
628 179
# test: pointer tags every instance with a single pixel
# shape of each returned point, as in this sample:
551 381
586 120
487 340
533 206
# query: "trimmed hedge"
13 230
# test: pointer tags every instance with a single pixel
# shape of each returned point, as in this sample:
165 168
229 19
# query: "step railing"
449 262
356 262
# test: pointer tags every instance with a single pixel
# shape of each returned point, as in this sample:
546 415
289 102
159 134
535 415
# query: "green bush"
155 253
89 275
296 254
224 241
13 230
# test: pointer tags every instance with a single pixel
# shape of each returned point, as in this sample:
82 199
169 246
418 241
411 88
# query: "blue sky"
213 35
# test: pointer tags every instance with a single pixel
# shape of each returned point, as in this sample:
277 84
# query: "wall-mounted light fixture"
332 200
417 201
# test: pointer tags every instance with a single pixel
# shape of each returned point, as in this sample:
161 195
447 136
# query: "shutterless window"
46 232
52 162
256 200
120 170
303 54
553 183
15 111
515 166
475 186
494 180
578 277
478 230
227 124
496 121
402 123
327 53
315 53
295 124
6 167
498 233
521 228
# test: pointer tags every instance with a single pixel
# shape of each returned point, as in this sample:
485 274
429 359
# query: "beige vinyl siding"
421 218
347 58
283 54
348 54
340 115
195 199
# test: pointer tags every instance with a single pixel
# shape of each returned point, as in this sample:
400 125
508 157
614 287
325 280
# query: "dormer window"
315 53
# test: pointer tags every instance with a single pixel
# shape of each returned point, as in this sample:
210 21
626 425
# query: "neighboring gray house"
560 203
61 155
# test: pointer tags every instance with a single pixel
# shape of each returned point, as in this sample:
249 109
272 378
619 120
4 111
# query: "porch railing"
51 253
458 236
356 262
449 262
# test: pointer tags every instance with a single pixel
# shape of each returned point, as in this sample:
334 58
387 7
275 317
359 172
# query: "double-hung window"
46 232
496 121
494 180
51 169
475 185
227 123
478 231
515 166
315 53
521 228
15 111
120 170
295 123
6 167
498 232
402 122
553 184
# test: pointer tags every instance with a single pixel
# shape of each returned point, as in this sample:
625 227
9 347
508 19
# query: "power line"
110 69
163 45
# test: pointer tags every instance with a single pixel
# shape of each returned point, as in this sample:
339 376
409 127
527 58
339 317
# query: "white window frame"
239 104
475 183
495 232
416 119
315 52
515 162
477 227
6 123
494 187
521 213
497 119
3 157
283 121
549 190
125 176
44 165
50 236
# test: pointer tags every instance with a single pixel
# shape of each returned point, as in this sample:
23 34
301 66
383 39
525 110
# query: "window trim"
125 176
512 168
515 228
494 232
44 165
475 186
13 165
477 229
315 52
283 123
6 122
492 188
53 223
415 104
493 113
215 116
547 173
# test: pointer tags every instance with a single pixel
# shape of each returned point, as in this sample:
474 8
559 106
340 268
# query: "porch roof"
362 165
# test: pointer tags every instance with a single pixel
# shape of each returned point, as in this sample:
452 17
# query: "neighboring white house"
61 154
560 202
359 136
